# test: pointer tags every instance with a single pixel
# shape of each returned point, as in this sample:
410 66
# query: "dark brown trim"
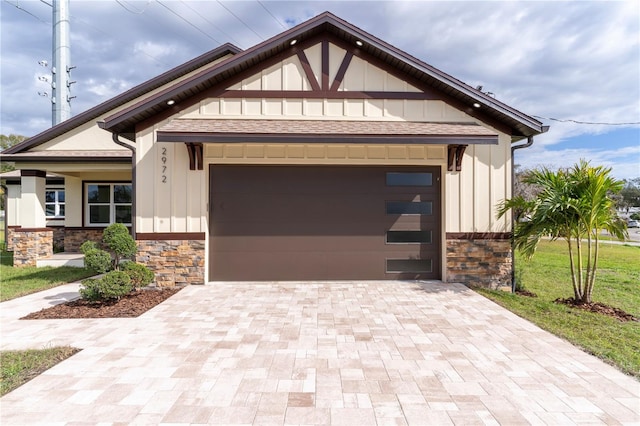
455 153
32 229
325 65
478 235
317 138
326 94
459 155
306 66
87 228
451 157
192 155
49 159
196 157
33 173
13 226
341 71
172 236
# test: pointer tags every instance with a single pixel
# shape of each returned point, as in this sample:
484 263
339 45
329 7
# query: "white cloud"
106 88
157 50
624 162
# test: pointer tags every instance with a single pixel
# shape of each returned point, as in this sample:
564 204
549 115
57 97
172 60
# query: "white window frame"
112 204
57 203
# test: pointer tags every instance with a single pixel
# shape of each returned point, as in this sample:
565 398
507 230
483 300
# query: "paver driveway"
313 353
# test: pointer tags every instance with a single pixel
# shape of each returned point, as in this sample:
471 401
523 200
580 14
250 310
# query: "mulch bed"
132 305
599 308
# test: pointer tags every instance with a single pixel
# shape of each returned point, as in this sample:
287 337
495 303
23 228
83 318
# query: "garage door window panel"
409 237
410 207
409 179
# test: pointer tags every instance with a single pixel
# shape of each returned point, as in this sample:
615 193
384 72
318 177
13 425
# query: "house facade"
322 153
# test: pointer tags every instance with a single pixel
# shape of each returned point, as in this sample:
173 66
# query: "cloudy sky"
570 64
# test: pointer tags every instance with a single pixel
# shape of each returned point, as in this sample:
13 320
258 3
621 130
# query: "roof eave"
124 121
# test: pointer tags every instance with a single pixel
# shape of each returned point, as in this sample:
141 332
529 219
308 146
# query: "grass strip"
18 367
617 284
16 282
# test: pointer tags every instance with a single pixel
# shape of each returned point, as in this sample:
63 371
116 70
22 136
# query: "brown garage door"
318 223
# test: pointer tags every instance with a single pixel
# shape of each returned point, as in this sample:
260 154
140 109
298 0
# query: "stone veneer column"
9 237
31 244
175 262
479 259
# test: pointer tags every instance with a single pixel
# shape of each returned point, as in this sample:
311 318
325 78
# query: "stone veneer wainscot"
174 262
479 259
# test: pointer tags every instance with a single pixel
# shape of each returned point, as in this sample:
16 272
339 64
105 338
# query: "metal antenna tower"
61 69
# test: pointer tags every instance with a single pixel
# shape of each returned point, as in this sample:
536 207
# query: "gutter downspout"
513 216
115 138
513 185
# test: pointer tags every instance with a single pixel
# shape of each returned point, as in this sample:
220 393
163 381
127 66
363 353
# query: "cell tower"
61 68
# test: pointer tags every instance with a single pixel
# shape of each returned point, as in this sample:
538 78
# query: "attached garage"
324 222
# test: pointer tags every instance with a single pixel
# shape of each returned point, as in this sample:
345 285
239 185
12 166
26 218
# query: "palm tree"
574 205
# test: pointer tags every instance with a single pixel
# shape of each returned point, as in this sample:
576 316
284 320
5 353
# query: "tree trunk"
576 292
581 284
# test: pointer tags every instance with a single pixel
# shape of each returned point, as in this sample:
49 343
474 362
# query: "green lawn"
617 284
16 282
18 367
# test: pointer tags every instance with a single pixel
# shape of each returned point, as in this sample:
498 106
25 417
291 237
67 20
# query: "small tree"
574 205
117 238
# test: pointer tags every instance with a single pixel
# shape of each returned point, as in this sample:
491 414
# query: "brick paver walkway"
354 353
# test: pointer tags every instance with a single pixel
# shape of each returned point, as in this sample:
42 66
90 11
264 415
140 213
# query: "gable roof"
128 96
465 96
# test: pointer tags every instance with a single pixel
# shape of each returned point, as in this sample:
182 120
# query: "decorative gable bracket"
454 157
195 151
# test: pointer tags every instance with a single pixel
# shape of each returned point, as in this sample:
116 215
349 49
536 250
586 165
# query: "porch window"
108 203
54 203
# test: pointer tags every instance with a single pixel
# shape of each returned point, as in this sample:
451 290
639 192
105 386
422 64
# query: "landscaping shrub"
117 239
141 276
113 285
87 246
89 289
98 260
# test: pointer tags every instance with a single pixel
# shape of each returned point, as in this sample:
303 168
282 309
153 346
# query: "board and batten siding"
174 199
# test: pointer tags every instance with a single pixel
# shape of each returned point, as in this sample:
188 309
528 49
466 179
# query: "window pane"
61 210
50 196
408 265
409 179
400 237
99 214
99 193
61 196
409 207
121 193
50 210
123 214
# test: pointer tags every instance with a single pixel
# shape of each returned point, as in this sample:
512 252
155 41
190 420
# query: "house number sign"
164 164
